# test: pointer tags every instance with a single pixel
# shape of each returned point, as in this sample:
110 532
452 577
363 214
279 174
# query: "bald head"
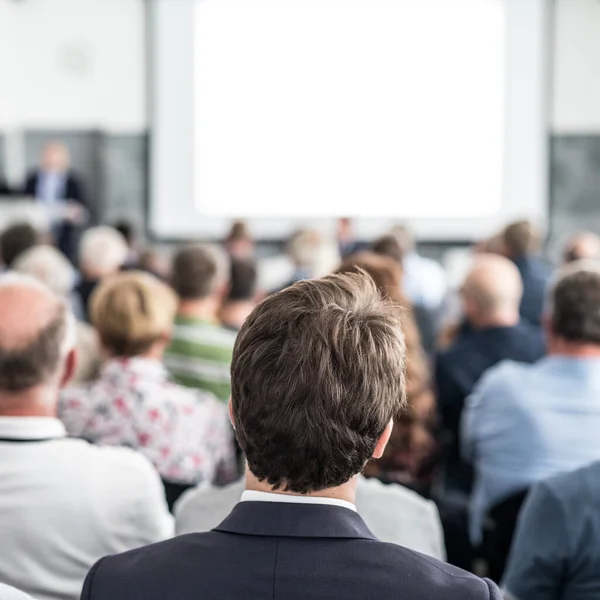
492 292
35 335
582 246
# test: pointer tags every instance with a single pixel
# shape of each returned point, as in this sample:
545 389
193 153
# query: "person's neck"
39 401
558 347
204 309
346 491
236 312
494 321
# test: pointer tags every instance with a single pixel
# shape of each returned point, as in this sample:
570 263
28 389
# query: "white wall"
73 64
576 102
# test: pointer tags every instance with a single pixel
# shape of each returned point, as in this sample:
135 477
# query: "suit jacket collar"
275 519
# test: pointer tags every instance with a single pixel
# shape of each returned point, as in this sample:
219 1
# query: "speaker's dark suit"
71 190
277 551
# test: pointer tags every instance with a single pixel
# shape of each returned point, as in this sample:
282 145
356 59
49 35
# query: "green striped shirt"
200 356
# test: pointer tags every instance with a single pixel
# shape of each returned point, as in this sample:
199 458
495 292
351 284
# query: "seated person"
102 253
584 245
393 513
556 551
491 295
199 355
521 244
15 240
184 433
525 423
51 267
242 296
317 381
63 502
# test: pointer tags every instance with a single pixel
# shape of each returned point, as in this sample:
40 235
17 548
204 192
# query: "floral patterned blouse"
185 433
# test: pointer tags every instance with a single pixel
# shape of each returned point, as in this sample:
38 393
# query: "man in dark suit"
521 244
59 189
317 379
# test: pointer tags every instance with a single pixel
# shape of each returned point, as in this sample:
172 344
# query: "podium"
25 209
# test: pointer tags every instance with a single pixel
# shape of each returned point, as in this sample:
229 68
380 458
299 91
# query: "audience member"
347 242
127 230
393 513
242 296
491 296
184 433
59 189
15 240
239 243
10 593
424 279
521 244
584 245
389 246
102 253
155 262
411 456
200 352
312 255
556 552
63 502
51 267
525 423
317 380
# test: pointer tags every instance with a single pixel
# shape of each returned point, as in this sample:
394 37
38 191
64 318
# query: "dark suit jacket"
535 274
278 551
459 368
73 190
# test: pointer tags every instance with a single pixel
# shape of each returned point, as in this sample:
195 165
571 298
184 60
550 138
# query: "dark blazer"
535 274
66 233
459 368
279 551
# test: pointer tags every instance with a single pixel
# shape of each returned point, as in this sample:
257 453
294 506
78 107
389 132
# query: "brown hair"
132 311
317 374
388 245
197 272
520 239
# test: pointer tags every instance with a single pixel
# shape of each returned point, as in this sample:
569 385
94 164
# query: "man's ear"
230 407
383 440
70 368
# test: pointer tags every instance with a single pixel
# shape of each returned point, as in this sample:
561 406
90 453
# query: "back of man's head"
242 281
102 252
36 334
492 291
317 375
584 245
48 265
575 304
389 246
199 272
520 239
15 240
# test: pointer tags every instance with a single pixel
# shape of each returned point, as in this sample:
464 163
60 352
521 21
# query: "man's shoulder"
203 332
195 557
574 489
505 374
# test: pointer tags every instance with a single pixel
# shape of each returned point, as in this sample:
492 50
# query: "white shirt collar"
31 428
253 496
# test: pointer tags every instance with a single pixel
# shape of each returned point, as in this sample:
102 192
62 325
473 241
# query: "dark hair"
127 230
520 239
15 240
388 245
317 374
195 272
239 232
576 306
34 363
242 283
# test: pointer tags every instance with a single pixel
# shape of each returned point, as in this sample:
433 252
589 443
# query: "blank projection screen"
296 112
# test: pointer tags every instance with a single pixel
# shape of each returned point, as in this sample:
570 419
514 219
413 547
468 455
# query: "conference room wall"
84 80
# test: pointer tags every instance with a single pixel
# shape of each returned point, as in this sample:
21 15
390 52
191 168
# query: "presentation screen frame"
172 209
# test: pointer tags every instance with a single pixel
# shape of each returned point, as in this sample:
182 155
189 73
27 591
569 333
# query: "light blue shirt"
424 281
526 423
50 188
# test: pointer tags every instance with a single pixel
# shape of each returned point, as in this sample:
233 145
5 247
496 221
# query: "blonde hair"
132 311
